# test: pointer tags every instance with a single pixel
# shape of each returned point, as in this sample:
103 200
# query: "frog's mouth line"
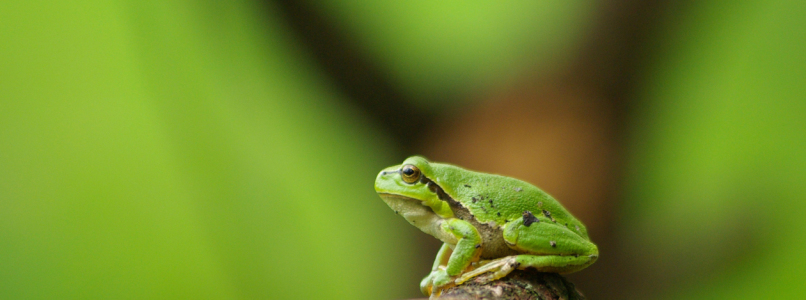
400 197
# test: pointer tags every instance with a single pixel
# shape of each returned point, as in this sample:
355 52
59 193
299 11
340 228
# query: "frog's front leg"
466 250
439 263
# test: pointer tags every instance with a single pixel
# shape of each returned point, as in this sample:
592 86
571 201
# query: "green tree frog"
489 224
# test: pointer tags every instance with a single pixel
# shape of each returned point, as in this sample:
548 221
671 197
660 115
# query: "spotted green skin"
483 217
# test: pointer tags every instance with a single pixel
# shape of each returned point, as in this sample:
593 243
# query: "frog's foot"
493 270
434 283
427 284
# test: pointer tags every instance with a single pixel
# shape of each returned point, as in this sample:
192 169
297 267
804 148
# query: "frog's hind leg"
549 246
494 269
546 246
503 266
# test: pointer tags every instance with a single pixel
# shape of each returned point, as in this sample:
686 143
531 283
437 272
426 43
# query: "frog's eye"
410 173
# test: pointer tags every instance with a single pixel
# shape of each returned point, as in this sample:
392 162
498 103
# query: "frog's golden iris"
410 173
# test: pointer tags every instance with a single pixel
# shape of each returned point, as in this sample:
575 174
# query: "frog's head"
404 185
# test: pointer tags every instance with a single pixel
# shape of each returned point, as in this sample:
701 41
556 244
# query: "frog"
489 225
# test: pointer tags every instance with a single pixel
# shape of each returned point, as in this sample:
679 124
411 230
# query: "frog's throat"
419 215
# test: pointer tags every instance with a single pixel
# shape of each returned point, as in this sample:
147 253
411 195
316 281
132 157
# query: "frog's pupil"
408 171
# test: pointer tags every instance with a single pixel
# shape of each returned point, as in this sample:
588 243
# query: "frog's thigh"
554 263
549 246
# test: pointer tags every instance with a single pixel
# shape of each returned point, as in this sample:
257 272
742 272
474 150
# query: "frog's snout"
387 172
384 177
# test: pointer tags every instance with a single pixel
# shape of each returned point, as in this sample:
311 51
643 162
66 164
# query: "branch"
520 284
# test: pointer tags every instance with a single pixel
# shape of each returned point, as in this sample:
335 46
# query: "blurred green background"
205 150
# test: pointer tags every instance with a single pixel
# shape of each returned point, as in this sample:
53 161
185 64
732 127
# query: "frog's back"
501 199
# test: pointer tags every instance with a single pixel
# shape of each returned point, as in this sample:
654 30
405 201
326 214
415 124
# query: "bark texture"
517 285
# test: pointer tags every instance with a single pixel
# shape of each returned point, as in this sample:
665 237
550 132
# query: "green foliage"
435 49
185 149
717 169
181 150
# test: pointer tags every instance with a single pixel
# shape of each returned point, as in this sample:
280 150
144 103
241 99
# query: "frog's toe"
427 284
492 271
442 278
434 283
